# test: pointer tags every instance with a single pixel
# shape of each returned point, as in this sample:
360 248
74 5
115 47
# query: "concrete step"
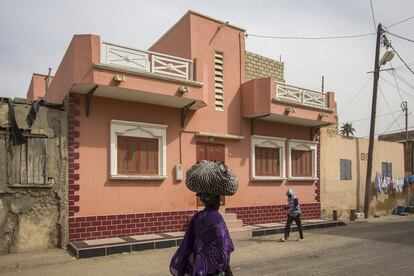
229 216
242 233
234 223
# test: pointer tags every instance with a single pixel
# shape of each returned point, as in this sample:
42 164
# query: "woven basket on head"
211 178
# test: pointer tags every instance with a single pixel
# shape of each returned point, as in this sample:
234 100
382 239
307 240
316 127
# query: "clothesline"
383 184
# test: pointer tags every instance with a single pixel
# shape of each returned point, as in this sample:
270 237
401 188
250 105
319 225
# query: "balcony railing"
147 61
299 95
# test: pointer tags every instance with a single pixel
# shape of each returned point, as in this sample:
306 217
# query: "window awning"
219 135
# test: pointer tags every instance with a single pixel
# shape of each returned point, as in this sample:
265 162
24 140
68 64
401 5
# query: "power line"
399 22
373 15
399 36
354 97
396 83
402 90
395 120
388 105
334 37
378 116
405 81
310 38
391 131
401 59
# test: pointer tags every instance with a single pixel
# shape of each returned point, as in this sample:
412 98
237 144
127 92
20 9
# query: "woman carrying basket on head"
206 247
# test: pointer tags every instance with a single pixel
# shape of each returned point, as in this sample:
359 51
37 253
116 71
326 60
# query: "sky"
34 35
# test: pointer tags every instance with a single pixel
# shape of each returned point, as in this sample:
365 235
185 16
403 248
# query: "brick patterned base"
99 227
73 146
318 173
273 213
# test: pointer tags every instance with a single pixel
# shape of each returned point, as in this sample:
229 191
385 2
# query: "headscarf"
291 193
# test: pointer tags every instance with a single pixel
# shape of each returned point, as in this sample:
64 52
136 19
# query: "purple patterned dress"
206 247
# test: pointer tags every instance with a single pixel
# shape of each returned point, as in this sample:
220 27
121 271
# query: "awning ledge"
219 135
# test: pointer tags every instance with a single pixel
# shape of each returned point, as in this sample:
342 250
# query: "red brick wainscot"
107 226
273 213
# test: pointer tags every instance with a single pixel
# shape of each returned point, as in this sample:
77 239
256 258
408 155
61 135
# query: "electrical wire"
388 105
391 131
399 22
404 81
392 47
310 38
335 37
408 94
396 83
373 15
399 36
393 122
354 97
369 118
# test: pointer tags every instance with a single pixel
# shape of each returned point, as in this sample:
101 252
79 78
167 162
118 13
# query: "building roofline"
198 14
43 75
397 136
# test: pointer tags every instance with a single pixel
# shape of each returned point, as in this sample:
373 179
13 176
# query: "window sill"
139 177
302 179
267 178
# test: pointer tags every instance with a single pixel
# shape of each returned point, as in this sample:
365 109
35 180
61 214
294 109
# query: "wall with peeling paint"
34 217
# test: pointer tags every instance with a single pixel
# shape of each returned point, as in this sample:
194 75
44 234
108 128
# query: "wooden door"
210 152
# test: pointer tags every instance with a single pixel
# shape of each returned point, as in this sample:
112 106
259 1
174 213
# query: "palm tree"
347 130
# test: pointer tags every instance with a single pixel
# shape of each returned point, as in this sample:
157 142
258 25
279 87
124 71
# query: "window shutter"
387 169
137 155
345 169
219 81
301 163
267 161
28 163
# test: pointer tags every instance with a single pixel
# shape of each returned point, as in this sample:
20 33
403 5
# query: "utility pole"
372 126
404 107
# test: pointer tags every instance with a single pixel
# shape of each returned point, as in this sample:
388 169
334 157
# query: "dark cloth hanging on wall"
31 116
16 133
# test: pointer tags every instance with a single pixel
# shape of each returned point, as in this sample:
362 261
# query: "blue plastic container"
400 209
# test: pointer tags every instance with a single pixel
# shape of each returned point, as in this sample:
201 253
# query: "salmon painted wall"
208 36
176 41
75 67
37 86
100 195
205 36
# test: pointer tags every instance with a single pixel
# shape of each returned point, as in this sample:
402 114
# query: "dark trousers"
289 221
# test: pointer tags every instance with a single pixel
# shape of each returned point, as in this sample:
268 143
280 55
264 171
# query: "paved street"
383 247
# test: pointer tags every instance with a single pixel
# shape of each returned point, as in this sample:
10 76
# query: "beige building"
343 172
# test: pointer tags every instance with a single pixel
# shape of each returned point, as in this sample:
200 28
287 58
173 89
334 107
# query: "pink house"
139 119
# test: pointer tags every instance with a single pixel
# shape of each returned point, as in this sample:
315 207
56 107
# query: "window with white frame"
267 158
138 150
302 159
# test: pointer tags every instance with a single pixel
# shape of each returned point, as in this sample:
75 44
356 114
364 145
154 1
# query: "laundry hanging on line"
383 184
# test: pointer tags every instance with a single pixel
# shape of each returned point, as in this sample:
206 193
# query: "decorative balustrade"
147 61
299 95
